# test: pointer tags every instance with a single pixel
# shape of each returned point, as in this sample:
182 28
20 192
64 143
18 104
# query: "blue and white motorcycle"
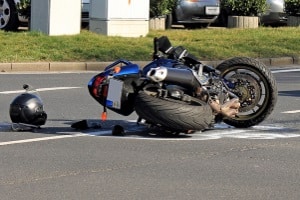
178 93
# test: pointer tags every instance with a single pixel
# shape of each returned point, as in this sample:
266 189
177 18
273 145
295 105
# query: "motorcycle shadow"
93 127
132 129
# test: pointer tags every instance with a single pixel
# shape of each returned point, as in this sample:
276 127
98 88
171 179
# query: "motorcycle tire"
174 115
253 80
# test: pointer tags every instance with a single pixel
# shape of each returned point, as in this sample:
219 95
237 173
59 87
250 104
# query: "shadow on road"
133 130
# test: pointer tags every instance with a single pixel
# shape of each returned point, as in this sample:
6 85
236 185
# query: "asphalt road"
57 162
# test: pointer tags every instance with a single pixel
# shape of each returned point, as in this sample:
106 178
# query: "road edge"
99 66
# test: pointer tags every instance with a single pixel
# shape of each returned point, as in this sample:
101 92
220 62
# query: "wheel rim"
252 89
4 13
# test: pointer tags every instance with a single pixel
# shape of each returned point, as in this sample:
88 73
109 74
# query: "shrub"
24 8
161 7
244 7
292 7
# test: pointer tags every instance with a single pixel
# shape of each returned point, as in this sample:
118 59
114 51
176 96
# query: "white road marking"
40 139
256 132
285 70
291 112
40 90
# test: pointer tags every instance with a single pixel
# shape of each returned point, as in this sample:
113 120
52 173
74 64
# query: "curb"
99 66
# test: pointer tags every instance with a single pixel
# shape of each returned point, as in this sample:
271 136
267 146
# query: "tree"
244 7
161 7
292 7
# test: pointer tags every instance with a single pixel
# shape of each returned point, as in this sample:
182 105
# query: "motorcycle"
178 93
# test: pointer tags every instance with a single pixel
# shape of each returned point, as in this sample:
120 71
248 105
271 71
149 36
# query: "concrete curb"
99 66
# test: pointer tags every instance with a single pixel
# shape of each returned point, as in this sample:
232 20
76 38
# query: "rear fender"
127 75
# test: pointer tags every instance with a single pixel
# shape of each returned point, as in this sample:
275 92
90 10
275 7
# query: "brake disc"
248 89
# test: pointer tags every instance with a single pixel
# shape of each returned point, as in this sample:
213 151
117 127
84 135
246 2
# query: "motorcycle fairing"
169 63
114 87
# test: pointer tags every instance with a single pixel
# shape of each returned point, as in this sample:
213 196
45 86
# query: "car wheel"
169 21
223 19
8 15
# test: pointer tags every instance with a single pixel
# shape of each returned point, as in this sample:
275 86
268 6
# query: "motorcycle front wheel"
172 114
255 86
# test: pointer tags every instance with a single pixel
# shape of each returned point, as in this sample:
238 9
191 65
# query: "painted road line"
40 90
291 112
254 133
40 139
285 70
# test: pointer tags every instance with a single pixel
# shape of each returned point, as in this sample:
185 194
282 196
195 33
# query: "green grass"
206 44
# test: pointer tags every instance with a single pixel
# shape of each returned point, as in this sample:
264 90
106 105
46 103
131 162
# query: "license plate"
114 95
212 10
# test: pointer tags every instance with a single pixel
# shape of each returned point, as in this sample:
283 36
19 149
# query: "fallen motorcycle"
178 93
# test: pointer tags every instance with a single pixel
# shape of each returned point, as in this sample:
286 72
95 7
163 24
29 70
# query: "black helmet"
27 108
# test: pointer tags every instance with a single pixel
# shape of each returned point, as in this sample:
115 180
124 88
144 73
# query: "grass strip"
206 44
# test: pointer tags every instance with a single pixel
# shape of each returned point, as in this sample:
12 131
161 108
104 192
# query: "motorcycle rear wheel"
174 115
254 85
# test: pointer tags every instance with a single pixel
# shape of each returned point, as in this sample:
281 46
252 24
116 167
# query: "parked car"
274 15
10 20
194 13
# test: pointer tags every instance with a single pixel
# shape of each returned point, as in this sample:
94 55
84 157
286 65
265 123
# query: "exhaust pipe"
182 77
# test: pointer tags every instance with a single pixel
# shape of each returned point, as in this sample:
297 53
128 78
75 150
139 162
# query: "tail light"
99 87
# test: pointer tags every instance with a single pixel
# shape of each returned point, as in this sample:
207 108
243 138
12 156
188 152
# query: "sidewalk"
99 66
